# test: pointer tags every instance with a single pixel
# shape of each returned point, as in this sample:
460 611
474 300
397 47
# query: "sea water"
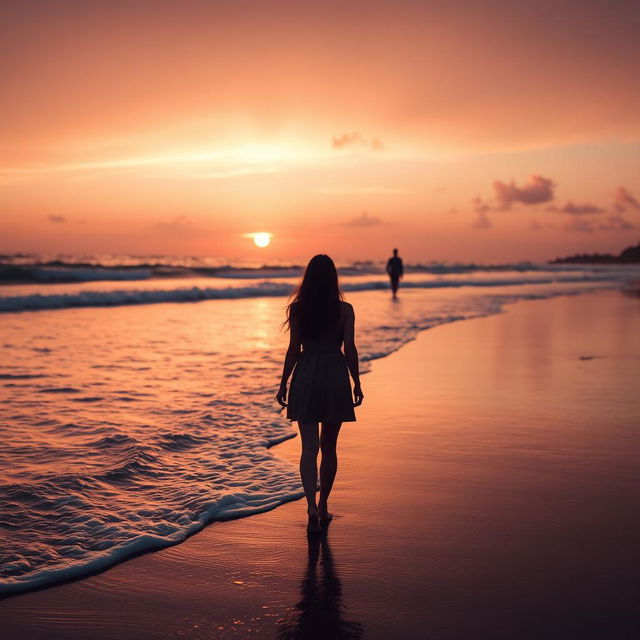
138 396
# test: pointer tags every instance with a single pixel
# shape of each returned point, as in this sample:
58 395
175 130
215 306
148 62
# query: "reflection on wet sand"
318 614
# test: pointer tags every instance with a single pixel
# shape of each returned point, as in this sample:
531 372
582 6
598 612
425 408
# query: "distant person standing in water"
319 323
395 269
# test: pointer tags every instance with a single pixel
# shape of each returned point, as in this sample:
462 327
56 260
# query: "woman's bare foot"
313 525
323 514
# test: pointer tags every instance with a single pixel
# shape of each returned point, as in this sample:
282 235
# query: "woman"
319 321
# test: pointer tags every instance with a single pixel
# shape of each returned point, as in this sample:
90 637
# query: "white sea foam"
68 269
43 299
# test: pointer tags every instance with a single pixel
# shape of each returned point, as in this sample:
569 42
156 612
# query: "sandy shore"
488 490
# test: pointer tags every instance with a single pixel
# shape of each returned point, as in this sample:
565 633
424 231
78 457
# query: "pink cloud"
617 223
482 221
363 220
579 224
577 209
537 190
623 200
479 206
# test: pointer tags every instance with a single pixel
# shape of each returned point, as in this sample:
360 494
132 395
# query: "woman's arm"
290 359
351 354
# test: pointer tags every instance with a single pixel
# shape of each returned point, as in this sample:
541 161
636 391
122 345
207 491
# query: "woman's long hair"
316 302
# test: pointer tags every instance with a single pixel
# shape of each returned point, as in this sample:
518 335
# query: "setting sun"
260 239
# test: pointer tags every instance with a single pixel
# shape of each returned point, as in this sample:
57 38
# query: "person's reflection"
318 614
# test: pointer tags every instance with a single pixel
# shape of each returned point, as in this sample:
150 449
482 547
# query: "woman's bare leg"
309 470
329 465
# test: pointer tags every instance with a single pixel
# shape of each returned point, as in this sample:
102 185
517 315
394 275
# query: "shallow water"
129 428
488 490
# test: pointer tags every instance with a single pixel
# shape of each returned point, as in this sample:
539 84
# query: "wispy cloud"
218 164
577 209
481 208
363 220
579 224
115 163
617 223
624 200
613 223
356 139
57 219
482 221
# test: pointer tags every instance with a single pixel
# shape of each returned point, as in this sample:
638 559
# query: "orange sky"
176 127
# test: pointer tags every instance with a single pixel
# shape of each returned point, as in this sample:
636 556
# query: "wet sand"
488 490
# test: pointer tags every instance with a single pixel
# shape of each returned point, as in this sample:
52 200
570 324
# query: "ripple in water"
106 462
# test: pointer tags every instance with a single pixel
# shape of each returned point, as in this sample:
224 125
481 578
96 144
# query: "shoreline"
142 547
62 296
242 573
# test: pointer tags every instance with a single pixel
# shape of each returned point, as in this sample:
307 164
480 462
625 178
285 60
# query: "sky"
463 130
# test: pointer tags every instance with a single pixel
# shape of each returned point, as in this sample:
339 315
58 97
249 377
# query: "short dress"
320 388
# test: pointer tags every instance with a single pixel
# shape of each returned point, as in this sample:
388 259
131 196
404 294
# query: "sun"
261 239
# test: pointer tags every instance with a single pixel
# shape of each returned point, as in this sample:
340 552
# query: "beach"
203 202
488 490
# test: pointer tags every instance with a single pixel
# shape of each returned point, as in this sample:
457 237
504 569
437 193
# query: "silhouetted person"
395 269
320 322
318 614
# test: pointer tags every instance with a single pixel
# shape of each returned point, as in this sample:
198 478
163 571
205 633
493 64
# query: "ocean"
138 392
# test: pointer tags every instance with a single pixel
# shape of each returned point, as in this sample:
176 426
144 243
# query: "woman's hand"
359 396
281 396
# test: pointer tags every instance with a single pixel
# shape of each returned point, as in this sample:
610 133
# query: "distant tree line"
630 254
